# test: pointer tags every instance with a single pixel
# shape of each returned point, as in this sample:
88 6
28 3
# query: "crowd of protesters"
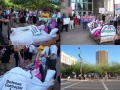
9 55
24 17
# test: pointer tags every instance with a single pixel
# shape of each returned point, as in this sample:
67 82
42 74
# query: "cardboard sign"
66 21
14 85
108 30
102 10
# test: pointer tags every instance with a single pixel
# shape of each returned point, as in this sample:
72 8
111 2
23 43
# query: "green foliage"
114 68
35 4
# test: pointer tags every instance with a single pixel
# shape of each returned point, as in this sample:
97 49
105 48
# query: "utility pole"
80 62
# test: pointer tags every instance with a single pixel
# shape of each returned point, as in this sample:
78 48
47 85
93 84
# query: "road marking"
65 83
105 86
70 86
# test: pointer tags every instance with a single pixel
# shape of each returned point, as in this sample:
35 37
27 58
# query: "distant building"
101 57
66 59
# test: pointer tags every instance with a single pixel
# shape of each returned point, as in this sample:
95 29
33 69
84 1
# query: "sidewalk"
79 36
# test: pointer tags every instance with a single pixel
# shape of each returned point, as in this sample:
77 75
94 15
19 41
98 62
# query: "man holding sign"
64 23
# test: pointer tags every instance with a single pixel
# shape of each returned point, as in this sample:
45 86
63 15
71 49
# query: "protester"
76 22
1 23
115 21
78 19
50 53
71 22
28 52
107 19
111 19
64 26
34 16
22 19
103 18
45 14
99 17
7 58
119 23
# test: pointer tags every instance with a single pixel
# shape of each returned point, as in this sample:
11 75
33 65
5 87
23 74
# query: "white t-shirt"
8 12
54 16
115 18
31 48
78 16
53 49
59 15
34 13
40 12
30 13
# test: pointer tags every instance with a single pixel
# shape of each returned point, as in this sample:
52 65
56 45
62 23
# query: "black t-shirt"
71 17
22 20
103 17
6 55
1 16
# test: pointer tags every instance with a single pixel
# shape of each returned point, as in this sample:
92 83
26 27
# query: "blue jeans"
84 25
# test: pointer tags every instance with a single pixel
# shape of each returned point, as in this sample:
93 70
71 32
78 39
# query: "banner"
87 18
44 19
117 8
14 85
108 30
66 21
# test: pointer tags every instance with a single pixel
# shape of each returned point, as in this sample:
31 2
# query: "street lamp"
79 55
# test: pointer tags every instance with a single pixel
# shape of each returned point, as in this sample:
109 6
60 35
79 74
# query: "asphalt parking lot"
90 85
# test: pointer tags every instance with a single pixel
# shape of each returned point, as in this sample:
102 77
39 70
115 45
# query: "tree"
36 3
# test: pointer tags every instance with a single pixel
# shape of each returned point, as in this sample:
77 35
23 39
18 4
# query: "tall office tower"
101 57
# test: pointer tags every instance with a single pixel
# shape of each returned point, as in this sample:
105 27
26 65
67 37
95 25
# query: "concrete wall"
97 5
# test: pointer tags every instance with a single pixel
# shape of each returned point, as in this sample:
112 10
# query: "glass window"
73 0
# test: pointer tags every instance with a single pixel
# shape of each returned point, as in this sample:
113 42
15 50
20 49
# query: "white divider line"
105 86
70 85
65 83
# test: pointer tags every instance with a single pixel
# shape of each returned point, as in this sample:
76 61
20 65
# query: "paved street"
79 36
90 85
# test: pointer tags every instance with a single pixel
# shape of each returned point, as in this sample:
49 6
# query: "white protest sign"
102 10
14 85
108 30
66 21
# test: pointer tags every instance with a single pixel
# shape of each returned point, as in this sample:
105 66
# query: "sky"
88 52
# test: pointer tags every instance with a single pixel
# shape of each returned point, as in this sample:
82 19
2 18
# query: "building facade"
67 60
101 57
88 6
